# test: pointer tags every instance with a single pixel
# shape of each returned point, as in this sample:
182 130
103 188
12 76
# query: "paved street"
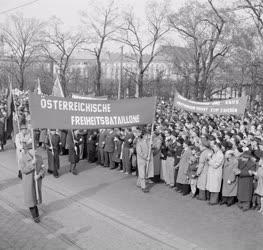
103 209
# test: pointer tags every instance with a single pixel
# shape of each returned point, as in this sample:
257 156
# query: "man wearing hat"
22 138
245 181
33 171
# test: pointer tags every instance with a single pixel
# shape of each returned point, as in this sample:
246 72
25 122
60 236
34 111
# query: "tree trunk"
63 83
98 78
139 85
22 81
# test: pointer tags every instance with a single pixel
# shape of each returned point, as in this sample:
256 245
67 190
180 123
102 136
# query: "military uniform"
101 145
109 149
53 157
91 147
73 142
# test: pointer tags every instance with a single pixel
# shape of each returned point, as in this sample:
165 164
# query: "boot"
19 174
35 214
74 170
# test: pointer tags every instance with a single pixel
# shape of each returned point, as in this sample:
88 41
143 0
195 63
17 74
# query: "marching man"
33 171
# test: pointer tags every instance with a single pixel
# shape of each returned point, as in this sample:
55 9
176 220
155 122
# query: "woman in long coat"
182 181
245 181
202 169
214 173
230 171
142 149
30 179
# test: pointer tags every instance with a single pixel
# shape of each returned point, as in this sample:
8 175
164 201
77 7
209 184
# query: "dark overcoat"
245 181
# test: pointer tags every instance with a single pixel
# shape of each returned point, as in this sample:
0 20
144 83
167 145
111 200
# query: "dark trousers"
229 200
256 201
34 212
214 197
101 156
53 162
184 188
108 162
202 195
244 204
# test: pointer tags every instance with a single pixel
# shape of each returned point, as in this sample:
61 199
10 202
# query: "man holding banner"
72 114
33 171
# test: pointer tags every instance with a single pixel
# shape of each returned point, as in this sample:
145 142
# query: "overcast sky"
68 10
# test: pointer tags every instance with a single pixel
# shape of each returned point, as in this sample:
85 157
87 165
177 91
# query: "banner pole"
51 145
151 141
12 96
35 173
76 151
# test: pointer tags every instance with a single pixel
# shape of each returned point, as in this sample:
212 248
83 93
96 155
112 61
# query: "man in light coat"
202 169
33 171
144 160
214 173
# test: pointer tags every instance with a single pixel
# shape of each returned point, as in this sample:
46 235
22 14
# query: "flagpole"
151 141
35 174
51 145
12 96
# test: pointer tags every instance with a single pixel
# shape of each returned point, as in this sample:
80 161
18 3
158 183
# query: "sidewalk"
72 219
103 209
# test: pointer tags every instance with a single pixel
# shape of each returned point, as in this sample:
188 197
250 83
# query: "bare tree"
255 9
144 42
100 25
59 47
205 29
23 38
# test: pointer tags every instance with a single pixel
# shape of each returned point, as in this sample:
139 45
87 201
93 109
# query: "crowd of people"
218 159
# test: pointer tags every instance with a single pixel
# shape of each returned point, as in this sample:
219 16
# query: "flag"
57 89
10 102
10 110
38 88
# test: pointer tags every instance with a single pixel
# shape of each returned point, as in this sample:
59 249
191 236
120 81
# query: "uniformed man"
109 149
53 149
73 142
101 145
